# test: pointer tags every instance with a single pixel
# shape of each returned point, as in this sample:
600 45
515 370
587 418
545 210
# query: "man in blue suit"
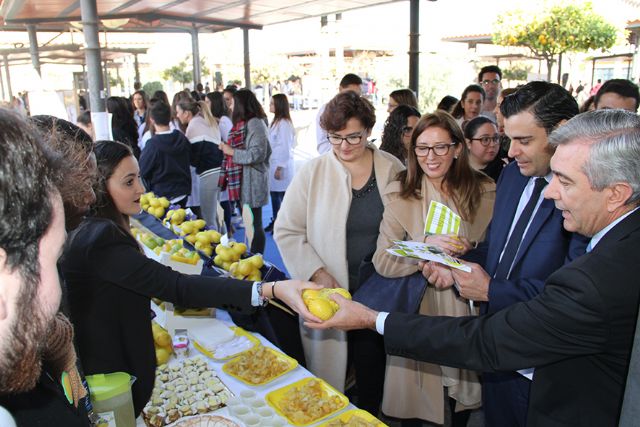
525 240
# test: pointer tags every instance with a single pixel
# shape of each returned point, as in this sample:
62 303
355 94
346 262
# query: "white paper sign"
426 252
441 220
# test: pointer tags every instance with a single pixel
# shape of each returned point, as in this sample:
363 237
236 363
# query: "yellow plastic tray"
275 397
347 415
238 331
293 363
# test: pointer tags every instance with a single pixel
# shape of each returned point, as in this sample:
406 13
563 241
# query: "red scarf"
231 173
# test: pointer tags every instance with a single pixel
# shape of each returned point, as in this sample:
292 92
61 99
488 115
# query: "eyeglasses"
490 82
487 140
407 130
351 139
438 150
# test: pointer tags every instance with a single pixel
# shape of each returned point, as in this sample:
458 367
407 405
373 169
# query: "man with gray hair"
579 331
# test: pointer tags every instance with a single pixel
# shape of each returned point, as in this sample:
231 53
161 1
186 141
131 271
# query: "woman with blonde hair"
401 97
437 170
204 134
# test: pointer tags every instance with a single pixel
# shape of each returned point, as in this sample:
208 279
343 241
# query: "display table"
237 386
234 385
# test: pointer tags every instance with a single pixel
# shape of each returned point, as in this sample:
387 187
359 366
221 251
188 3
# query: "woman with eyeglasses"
396 136
483 141
437 170
470 104
327 225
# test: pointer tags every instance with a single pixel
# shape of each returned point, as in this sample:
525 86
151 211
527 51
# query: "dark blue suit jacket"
544 249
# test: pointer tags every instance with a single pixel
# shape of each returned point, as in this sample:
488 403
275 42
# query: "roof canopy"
171 15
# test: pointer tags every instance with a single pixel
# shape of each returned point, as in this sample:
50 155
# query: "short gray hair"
614 155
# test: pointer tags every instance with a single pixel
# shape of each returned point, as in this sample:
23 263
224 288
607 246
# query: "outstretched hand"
290 292
351 315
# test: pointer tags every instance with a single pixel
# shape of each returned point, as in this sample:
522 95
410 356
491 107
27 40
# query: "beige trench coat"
310 232
415 389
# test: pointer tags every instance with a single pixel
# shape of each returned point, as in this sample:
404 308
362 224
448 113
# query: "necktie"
510 251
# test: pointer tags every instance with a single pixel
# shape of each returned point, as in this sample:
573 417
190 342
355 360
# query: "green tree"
151 87
183 74
558 29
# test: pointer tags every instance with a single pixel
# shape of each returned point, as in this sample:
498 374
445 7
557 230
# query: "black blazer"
577 333
110 283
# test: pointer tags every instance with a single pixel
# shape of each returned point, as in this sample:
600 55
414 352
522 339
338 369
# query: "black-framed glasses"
351 139
487 140
438 150
490 82
407 130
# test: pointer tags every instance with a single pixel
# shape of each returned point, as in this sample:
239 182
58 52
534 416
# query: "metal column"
33 47
136 68
414 49
247 61
89 14
195 50
4 96
8 75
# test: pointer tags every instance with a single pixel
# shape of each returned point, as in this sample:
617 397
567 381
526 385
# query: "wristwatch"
264 301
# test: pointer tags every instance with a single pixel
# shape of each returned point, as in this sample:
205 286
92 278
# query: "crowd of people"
538 332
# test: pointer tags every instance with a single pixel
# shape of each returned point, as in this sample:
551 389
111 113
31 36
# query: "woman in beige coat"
437 169
328 223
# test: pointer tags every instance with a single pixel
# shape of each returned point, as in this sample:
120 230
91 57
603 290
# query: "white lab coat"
282 137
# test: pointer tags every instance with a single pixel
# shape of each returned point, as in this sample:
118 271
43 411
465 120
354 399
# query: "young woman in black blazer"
111 281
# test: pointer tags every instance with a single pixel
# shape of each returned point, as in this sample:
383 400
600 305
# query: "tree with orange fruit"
564 27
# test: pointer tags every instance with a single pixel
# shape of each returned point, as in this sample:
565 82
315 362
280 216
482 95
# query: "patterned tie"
510 251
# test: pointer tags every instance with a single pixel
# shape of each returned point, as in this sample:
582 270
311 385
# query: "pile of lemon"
156 206
162 342
248 268
319 302
175 216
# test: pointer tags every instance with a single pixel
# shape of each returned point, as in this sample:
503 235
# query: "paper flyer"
441 220
425 252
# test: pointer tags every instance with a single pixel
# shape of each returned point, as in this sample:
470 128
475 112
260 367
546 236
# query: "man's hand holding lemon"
350 315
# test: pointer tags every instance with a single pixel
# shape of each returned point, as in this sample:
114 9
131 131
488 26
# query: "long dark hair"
394 129
122 123
145 99
246 106
458 110
474 124
281 107
218 106
109 154
461 182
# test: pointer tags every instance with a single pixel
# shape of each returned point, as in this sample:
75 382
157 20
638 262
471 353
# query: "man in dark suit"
578 331
525 240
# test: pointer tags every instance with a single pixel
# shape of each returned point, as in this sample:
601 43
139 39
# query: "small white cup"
234 401
240 410
250 420
247 395
257 404
266 416
275 422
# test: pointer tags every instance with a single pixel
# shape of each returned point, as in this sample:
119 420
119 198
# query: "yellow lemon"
321 308
342 292
308 294
162 356
163 339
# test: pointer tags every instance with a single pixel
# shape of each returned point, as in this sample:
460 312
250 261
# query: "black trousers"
369 361
259 238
